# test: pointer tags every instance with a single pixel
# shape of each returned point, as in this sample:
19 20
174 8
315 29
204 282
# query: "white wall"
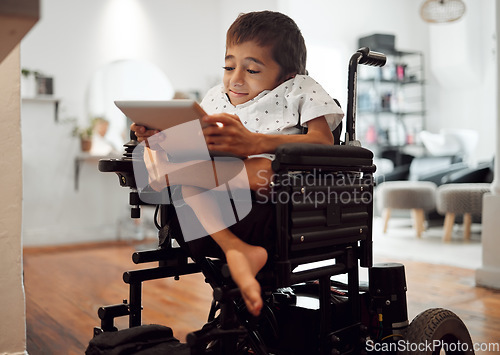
185 39
54 211
12 312
462 68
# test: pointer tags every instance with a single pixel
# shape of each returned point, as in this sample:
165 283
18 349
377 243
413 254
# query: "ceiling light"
440 11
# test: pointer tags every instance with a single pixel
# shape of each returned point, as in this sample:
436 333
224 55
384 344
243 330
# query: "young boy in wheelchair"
265 100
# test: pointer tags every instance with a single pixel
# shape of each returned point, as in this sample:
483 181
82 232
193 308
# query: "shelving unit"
391 103
45 99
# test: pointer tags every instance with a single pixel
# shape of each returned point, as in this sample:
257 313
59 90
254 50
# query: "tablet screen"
161 115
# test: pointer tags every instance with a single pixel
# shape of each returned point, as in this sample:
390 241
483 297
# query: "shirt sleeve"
313 101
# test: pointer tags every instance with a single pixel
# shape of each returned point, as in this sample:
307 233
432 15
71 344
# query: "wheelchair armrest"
309 156
122 167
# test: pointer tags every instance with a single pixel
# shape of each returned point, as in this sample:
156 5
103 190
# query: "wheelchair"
314 302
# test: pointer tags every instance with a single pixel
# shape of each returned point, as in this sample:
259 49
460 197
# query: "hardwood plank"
65 287
64 291
454 288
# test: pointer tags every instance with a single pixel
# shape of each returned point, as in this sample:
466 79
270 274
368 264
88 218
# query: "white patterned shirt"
281 110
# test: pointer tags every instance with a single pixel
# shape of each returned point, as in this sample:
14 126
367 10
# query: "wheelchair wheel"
437 331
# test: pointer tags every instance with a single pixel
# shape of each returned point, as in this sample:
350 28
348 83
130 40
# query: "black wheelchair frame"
350 315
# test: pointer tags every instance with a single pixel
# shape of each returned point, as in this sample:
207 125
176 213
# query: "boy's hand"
226 133
142 133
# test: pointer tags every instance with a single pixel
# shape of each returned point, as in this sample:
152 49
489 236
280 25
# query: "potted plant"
97 125
28 82
85 134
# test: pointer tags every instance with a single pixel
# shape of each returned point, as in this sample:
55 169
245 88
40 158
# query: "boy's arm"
233 137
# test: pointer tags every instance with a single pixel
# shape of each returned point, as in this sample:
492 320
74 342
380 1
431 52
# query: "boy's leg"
244 260
163 173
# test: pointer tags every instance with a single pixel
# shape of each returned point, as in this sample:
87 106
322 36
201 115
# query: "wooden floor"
66 285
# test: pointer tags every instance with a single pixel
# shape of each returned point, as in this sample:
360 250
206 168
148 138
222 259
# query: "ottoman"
417 196
463 199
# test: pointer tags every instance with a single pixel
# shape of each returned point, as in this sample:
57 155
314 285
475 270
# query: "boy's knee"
260 174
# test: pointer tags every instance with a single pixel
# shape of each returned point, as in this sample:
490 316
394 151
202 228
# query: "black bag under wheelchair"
314 303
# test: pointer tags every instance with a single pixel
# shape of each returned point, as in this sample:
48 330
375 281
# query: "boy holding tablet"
264 100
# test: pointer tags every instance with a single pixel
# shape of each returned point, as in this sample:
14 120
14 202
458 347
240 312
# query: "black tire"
437 325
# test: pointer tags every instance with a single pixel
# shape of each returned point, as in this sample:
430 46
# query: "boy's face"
249 69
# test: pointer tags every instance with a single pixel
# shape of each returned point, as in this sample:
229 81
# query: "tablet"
161 115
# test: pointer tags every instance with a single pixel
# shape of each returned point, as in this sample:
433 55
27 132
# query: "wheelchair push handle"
371 58
366 57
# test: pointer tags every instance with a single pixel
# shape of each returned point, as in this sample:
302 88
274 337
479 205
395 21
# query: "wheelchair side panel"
330 212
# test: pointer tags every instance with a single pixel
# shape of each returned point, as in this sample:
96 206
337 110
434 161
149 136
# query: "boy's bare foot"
244 261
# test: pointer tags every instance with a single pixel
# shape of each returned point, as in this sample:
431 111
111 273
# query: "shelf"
398 53
85 157
40 98
389 112
392 82
44 99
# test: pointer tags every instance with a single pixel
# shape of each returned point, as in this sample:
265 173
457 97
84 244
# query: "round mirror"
127 79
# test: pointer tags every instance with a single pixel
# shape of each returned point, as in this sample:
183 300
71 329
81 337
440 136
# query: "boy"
263 102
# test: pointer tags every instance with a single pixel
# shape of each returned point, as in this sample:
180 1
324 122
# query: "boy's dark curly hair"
273 29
